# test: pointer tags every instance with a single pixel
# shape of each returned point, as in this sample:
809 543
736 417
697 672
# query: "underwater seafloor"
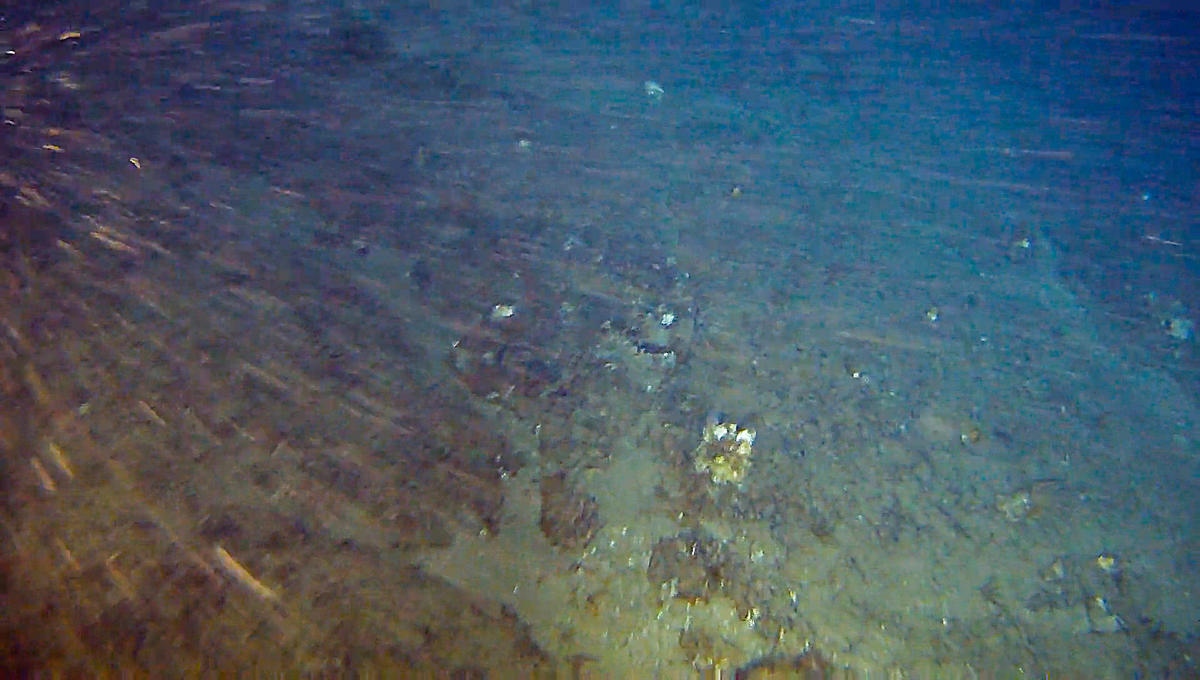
488 341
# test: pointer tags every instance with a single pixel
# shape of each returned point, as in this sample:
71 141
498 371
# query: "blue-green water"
364 336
